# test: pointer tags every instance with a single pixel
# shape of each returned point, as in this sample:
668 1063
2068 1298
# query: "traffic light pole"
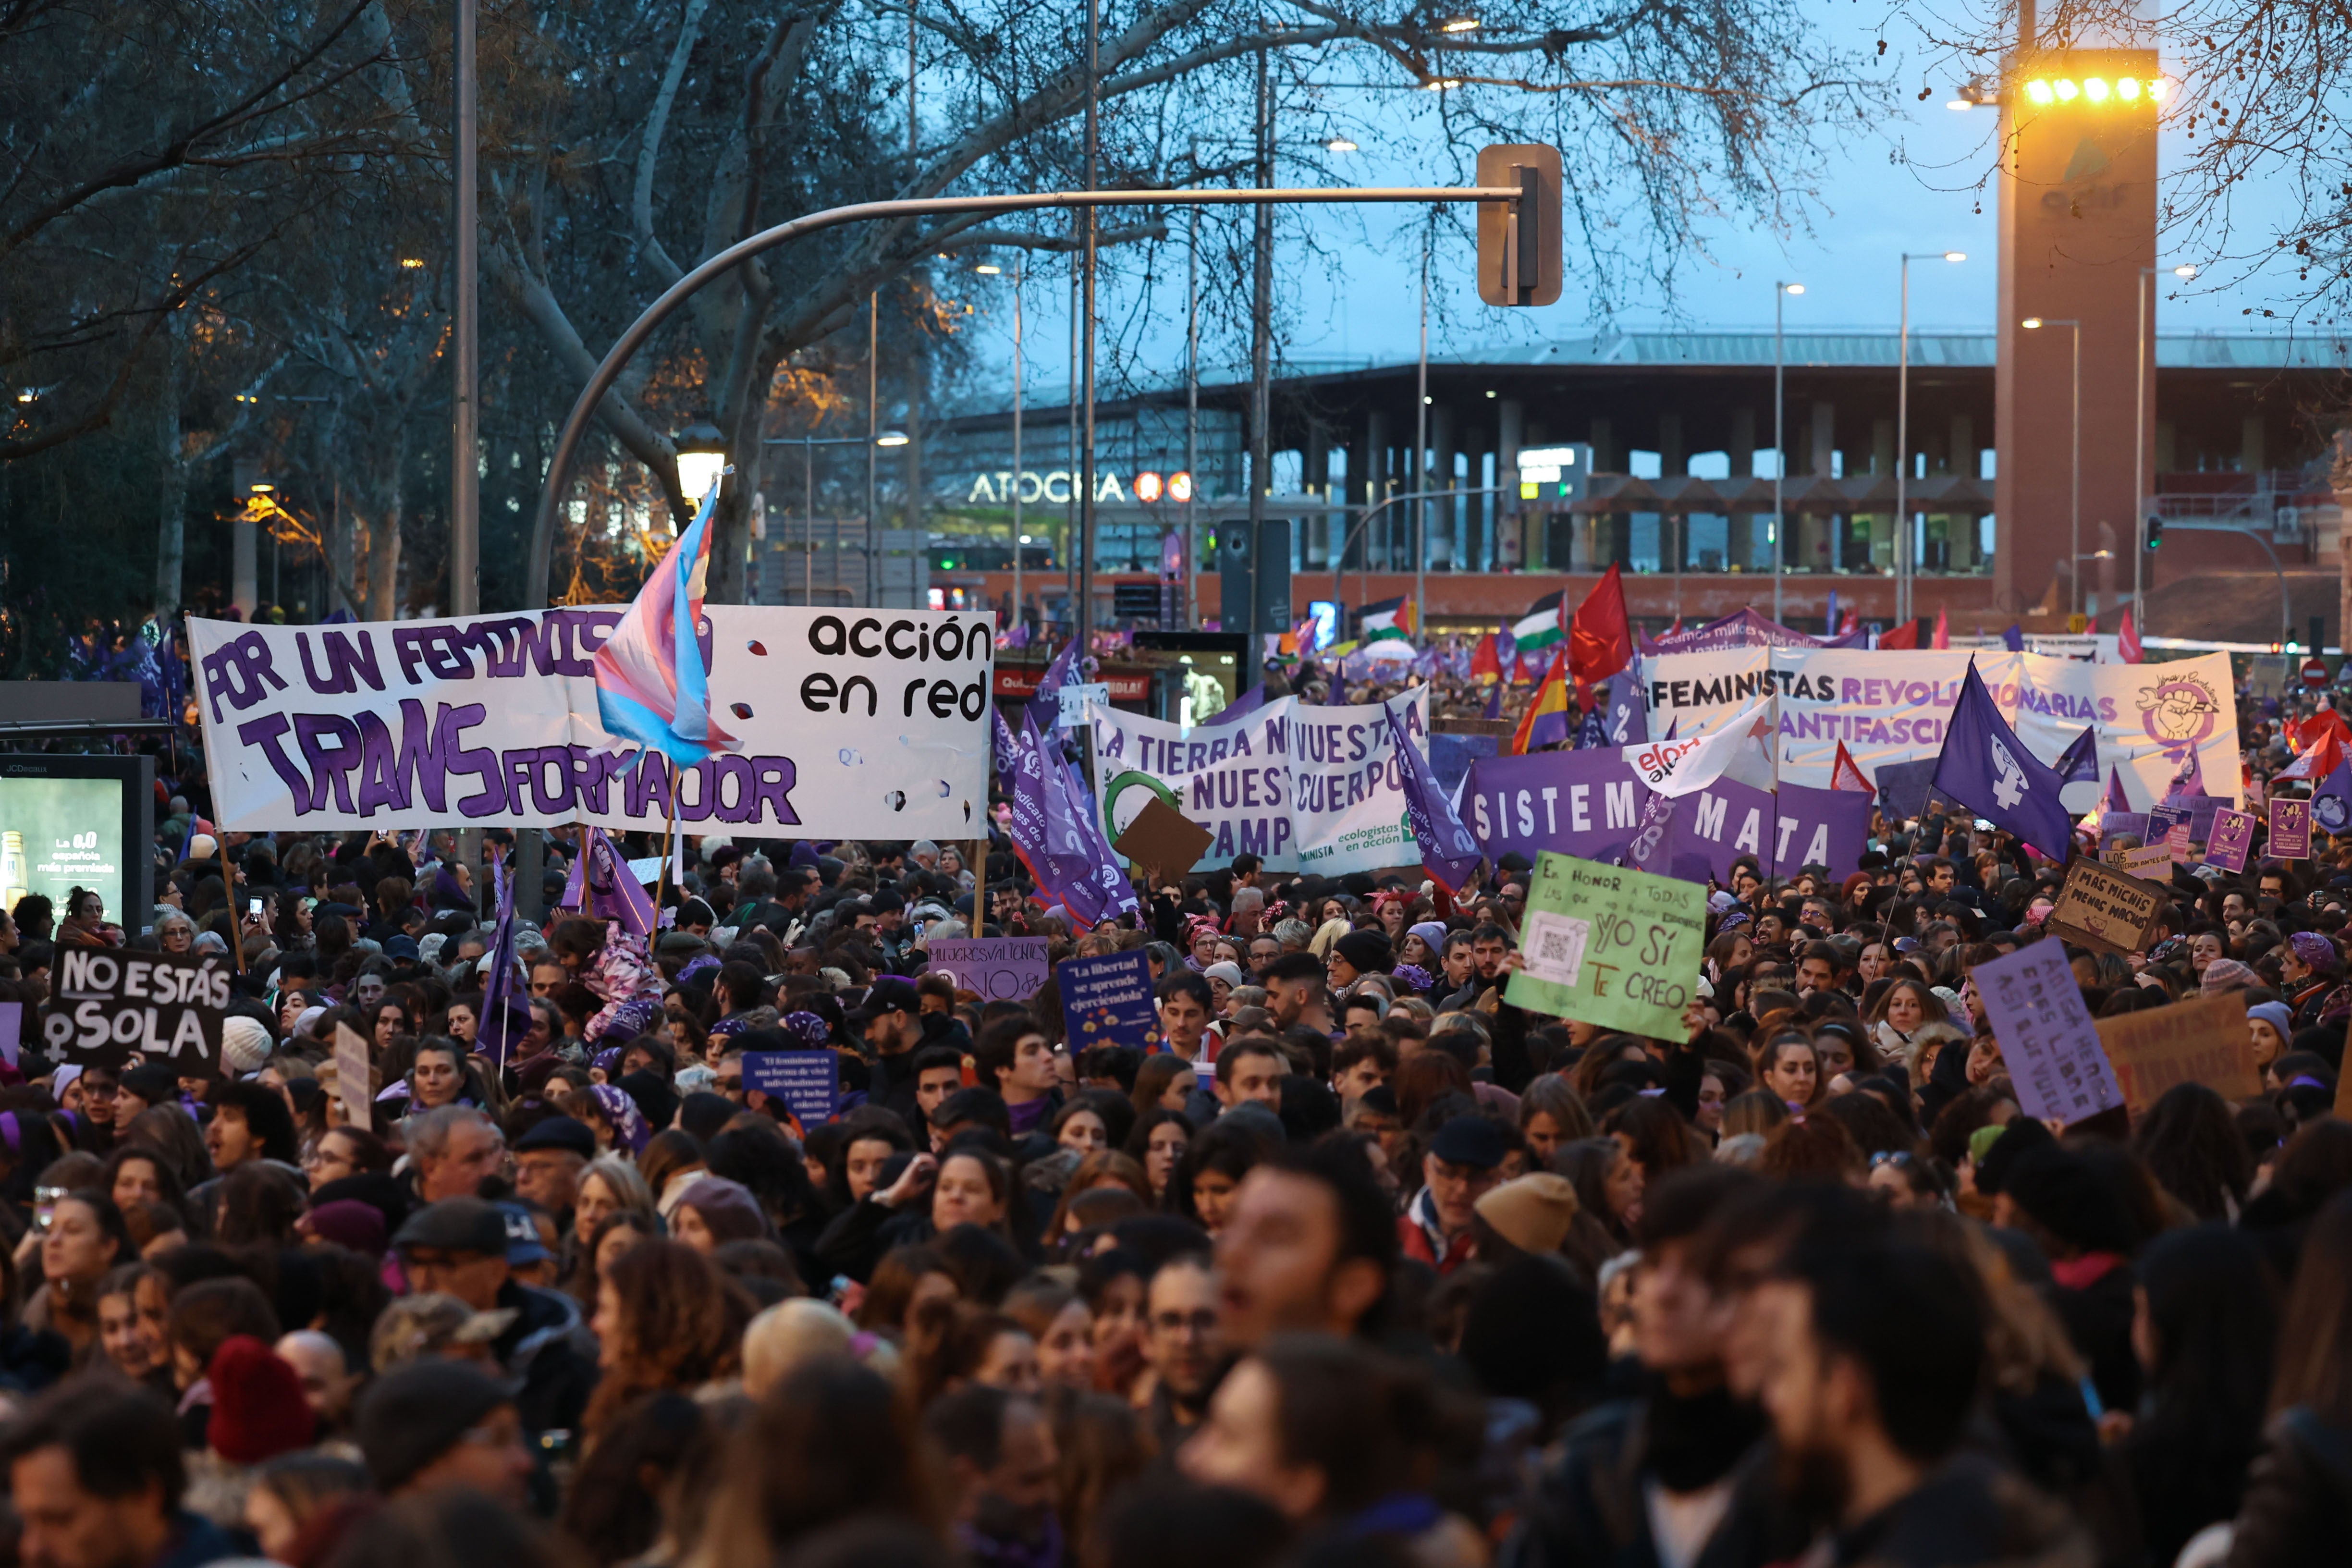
1510 197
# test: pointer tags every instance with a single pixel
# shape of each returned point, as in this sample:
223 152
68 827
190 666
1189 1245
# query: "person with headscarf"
2312 970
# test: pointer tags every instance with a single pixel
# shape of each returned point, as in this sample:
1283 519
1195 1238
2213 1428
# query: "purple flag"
1653 838
602 885
1241 707
1986 768
1628 723
1084 861
505 1017
2014 639
1006 756
2079 762
1506 650
1447 849
1494 700
1061 670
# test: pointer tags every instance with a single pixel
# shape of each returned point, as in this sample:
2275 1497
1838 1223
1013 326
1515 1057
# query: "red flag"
1676 629
1905 634
1600 638
1852 618
1943 630
2325 724
2325 752
1846 774
1484 663
2128 638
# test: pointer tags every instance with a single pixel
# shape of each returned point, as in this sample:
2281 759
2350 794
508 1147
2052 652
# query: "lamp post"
808 445
2139 446
1420 452
701 459
1781 291
1020 276
2074 502
1906 562
466 336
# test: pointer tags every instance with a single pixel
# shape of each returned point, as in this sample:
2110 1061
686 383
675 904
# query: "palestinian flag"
1397 617
1542 625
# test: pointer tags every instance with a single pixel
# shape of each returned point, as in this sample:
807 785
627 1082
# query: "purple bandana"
810 1027
629 1125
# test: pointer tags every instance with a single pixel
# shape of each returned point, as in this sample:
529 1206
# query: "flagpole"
661 877
229 887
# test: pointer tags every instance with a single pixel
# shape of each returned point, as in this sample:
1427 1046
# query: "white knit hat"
245 1044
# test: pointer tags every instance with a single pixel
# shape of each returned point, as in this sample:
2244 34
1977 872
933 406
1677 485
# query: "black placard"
105 1005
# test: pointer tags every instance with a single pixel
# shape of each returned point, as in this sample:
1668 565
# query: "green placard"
1610 945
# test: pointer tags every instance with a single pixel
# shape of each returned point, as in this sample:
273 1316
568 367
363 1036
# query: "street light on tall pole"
2139 447
1420 451
465 424
1020 275
1084 613
1781 291
1906 562
2074 502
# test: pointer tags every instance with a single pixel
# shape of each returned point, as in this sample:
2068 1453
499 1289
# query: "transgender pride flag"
652 678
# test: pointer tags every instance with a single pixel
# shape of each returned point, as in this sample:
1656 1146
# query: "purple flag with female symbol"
1985 767
603 885
1447 849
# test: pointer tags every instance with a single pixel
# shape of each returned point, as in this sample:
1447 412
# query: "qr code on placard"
1555 946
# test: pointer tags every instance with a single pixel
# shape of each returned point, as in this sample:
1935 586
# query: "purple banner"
1592 805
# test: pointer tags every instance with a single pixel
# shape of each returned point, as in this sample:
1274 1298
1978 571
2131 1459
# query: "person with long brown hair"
667 1317
2293 1509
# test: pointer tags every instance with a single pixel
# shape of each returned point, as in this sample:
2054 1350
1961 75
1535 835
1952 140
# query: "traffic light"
2155 532
1519 241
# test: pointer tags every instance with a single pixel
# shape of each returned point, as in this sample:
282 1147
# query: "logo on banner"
2009 787
2179 712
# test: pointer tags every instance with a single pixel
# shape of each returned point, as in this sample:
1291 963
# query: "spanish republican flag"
1544 723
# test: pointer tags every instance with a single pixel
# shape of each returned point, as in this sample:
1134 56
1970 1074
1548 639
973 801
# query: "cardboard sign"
2289 830
1610 945
2234 835
1109 1001
1163 841
2168 825
809 1083
2105 909
105 1005
2153 861
2048 1040
2201 1040
995 968
354 1081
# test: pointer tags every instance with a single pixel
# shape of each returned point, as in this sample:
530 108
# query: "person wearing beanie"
2311 971
432 1425
2224 975
246 1044
2057 1198
1532 1213
2272 1026
259 1409
1355 954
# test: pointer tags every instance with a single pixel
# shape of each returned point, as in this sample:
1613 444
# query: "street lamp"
2075 505
2139 442
1019 276
1905 562
701 458
891 438
1781 291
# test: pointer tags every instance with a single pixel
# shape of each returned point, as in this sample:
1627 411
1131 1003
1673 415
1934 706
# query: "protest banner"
104 1004
1305 788
2290 836
2049 1042
2151 861
843 725
994 968
2202 1040
808 1083
2234 835
1610 945
1109 1001
2104 908
1889 707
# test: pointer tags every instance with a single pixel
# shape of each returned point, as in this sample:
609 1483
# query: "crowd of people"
1367 1262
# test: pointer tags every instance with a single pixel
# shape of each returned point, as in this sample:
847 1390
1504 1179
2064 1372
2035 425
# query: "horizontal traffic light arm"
1506 196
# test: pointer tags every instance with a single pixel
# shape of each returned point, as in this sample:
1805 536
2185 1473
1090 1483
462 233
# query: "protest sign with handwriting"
2103 909
2048 1040
1107 1000
2149 861
104 1004
995 968
1610 945
2201 1040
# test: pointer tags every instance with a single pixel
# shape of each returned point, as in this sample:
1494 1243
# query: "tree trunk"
384 532
342 529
